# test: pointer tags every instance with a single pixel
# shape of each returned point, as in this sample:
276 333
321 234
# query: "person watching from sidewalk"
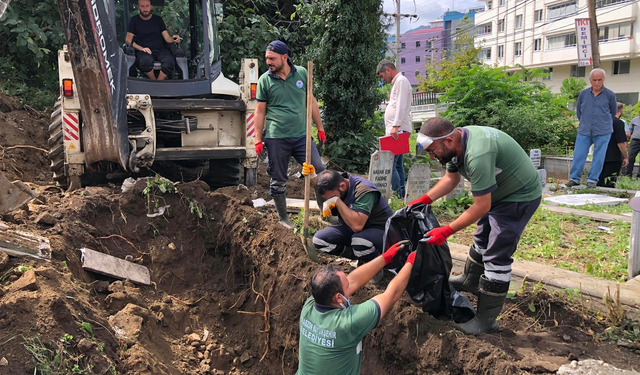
362 215
396 117
282 108
147 34
595 109
331 328
634 146
627 130
616 157
506 192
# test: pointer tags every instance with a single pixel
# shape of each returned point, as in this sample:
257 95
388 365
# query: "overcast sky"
427 10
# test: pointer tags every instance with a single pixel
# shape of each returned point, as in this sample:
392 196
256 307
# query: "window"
500 52
629 98
538 15
606 3
417 44
485 54
519 21
427 58
562 10
614 32
417 73
489 5
621 67
501 25
517 49
402 60
502 2
417 58
578 71
428 45
404 45
484 29
561 41
537 44
549 76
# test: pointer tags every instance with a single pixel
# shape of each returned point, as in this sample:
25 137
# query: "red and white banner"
583 36
71 127
250 128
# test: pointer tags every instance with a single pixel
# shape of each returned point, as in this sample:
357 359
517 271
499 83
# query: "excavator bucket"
99 72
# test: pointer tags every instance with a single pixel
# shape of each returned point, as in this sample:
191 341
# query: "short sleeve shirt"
618 136
495 163
286 100
331 338
365 203
148 34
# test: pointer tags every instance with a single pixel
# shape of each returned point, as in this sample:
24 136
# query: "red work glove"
423 199
439 235
259 148
411 258
391 252
322 137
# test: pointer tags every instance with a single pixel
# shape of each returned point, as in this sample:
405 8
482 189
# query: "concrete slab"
105 264
582 199
597 216
564 279
20 244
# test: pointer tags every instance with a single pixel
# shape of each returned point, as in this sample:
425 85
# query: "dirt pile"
23 143
228 285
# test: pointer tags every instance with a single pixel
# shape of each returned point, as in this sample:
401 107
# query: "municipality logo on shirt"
299 84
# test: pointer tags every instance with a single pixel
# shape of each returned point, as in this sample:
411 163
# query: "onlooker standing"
634 147
596 108
396 117
616 156
627 131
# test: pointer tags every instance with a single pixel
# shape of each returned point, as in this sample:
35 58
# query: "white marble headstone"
380 171
536 157
417 182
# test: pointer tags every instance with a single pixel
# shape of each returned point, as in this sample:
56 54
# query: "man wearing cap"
282 102
506 193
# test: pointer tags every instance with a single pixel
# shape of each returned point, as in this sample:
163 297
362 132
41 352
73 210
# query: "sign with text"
583 34
536 156
380 170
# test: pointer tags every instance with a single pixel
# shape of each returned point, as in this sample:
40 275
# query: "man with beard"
506 192
147 34
362 214
282 103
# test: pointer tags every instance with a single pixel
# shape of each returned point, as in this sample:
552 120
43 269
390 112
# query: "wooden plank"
633 267
108 265
19 244
597 216
295 205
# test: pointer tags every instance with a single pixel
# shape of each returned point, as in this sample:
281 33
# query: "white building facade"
542 33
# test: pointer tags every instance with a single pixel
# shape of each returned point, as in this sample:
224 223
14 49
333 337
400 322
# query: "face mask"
342 304
425 141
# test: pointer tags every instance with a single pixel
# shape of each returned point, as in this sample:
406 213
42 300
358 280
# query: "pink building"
419 47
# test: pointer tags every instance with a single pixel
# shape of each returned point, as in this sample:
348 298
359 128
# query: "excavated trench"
228 285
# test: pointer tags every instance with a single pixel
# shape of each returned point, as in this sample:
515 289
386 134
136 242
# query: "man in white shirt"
396 117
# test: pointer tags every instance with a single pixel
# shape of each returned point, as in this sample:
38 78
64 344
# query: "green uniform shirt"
495 163
331 338
286 100
364 204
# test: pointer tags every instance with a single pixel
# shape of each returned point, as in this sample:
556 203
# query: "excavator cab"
110 114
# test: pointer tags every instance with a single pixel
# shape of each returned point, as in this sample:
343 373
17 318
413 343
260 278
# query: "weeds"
55 358
158 186
628 183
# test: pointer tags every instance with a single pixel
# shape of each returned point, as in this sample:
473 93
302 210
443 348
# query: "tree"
348 40
524 109
463 54
571 88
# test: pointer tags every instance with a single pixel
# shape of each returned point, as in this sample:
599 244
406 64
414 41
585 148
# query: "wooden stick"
307 179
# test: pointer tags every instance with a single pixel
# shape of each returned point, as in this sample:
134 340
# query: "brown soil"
20 128
216 273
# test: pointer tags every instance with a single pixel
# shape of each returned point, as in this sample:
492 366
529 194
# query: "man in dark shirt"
616 156
147 34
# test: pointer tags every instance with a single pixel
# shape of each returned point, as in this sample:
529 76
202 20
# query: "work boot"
470 277
490 300
281 206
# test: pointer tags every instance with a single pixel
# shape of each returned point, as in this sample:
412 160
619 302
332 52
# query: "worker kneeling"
362 214
331 328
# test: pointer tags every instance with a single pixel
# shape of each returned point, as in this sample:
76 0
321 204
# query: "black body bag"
429 282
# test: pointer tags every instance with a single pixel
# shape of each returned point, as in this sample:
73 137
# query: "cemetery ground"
227 286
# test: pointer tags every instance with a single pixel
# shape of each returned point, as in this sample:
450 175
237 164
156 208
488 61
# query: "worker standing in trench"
506 192
331 328
282 104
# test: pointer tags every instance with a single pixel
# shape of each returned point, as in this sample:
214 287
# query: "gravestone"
582 199
380 171
542 173
536 157
459 189
417 182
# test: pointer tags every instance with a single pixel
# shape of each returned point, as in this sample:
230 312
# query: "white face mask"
425 141
342 304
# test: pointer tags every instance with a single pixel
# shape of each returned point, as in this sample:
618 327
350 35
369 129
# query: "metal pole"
634 245
595 42
397 15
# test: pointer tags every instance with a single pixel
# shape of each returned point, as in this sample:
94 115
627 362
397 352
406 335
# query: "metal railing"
421 98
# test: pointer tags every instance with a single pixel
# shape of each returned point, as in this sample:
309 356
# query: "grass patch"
616 210
628 183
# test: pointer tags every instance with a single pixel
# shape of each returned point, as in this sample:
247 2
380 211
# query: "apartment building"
419 47
541 33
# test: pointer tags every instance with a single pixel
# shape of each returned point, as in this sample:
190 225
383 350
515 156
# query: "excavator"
112 119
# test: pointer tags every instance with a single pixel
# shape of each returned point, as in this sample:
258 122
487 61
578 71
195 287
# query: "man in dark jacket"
616 157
